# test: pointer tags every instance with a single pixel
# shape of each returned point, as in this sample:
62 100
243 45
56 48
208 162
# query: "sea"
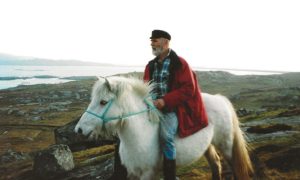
13 76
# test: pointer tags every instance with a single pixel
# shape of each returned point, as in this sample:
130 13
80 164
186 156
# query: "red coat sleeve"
184 87
146 74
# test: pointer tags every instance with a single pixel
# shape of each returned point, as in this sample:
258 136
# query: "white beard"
157 51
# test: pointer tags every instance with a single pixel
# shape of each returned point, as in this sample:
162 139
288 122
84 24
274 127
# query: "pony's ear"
113 87
107 84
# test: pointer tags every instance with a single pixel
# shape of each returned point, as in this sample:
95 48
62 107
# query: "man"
178 97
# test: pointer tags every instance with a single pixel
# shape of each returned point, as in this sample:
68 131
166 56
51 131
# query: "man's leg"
168 130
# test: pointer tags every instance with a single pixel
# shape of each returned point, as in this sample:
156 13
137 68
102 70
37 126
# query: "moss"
82 156
263 129
197 170
94 160
263 115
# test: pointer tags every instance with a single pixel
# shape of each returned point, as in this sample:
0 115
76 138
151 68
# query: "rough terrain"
34 117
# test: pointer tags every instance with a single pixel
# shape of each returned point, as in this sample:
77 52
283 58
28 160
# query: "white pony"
123 107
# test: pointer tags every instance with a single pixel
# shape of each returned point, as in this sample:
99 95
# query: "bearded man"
178 97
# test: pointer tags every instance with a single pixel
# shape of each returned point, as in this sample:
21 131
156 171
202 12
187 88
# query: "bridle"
105 119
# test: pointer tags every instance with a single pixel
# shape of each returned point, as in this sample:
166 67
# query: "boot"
169 169
120 172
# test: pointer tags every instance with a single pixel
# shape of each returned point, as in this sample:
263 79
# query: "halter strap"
107 119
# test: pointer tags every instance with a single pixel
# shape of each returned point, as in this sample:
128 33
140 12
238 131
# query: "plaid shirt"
161 77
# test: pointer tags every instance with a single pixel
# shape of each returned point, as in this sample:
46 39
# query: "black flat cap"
160 34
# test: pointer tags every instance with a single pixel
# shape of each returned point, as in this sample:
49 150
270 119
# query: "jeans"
168 130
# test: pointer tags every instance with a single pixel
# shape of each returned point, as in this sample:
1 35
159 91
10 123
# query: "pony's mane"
120 87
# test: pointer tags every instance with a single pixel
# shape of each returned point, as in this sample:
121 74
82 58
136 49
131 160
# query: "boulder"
55 160
76 142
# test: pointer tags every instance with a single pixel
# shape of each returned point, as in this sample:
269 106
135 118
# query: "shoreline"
8 82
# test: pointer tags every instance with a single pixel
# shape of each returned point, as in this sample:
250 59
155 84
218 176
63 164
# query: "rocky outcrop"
76 142
11 156
54 160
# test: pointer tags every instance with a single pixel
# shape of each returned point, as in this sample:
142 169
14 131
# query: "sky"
256 34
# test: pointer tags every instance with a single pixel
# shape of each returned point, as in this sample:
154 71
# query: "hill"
32 61
253 91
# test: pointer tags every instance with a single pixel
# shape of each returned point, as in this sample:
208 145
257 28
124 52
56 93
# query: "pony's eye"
103 102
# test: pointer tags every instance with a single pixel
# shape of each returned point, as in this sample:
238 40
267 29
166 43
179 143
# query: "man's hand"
159 103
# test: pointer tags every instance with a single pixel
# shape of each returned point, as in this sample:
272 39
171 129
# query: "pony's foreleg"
214 162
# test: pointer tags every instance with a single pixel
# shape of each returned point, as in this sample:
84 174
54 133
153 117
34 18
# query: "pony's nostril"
80 131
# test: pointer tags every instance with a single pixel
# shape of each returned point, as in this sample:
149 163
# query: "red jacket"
184 96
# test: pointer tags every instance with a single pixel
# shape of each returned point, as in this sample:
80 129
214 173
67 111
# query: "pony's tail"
241 162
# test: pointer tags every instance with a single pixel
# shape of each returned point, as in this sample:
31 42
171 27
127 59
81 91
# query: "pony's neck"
138 131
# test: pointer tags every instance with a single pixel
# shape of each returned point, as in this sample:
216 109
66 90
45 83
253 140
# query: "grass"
93 155
196 170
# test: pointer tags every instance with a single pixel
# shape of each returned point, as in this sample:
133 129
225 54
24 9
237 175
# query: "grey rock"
66 135
101 171
40 110
260 111
12 111
21 113
63 109
4 109
55 96
34 112
65 103
11 156
53 115
26 101
295 98
36 118
83 90
53 108
77 96
243 112
52 161
292 106
66 93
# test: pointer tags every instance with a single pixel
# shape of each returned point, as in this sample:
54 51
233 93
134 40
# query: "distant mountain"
6 59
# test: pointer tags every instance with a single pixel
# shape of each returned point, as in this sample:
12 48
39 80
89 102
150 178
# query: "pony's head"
113 101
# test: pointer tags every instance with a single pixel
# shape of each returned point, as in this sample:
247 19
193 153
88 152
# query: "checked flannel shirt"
161 77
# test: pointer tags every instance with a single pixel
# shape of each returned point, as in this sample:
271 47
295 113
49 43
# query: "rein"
107 119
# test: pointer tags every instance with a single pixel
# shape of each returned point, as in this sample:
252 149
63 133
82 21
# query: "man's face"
157 46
